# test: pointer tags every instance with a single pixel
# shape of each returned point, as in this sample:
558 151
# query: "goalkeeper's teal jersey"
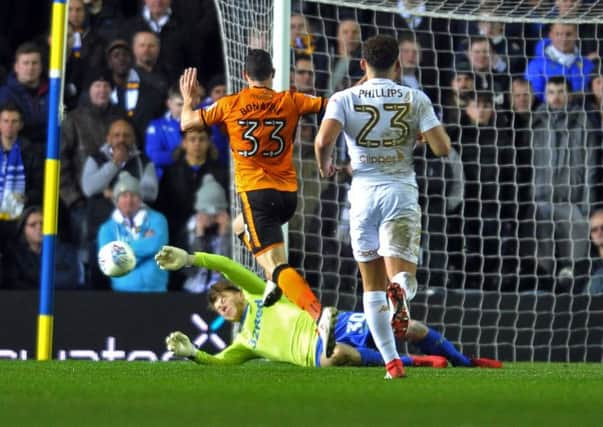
282 332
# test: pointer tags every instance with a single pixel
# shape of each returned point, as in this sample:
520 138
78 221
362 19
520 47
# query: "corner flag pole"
51 179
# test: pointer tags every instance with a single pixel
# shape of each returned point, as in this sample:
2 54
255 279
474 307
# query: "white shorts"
385 220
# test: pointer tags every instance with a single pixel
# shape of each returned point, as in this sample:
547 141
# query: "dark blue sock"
370 357
434 343
406 360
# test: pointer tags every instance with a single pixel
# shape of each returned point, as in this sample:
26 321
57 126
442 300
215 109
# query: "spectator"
303 79
441 182
20 173
140 99
83 132
559 58
216 89
486 151
28 89
432 35
86 52
208 231
106 17
594 105
146 47
156 16
522 96
302 74
163 135
144 229
306 43
462 81
345 57
595 286
566 180
22 262
508 56
182 179
522 107
410 57
100 173
590 44
490 75
206 52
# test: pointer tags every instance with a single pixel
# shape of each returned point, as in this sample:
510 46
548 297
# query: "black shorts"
264 212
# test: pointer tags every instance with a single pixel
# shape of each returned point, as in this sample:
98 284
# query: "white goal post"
504 272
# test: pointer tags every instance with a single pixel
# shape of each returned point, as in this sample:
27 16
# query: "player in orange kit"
261 125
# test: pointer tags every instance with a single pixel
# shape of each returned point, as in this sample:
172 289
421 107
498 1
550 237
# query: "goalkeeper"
286 333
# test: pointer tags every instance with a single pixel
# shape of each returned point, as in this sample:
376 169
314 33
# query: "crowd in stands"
510 209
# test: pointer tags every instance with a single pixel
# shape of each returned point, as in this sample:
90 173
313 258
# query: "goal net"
507 267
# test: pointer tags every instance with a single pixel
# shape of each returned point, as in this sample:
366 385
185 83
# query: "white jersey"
380 122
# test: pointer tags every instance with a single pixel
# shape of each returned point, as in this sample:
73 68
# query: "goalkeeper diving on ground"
286 333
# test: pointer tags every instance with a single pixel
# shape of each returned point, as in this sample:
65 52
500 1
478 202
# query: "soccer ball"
116 259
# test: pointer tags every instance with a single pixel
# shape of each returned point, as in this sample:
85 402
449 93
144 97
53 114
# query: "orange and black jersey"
261 125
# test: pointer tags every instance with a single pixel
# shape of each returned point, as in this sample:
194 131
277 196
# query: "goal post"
502 272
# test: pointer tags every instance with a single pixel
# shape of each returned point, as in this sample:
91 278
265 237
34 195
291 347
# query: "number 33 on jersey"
261 125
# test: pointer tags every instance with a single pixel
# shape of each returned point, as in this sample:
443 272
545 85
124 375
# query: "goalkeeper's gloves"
180 345
173 258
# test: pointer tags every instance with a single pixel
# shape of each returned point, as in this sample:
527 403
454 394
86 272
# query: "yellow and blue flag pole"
51 179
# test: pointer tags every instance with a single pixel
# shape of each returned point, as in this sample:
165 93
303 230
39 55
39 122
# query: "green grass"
77 393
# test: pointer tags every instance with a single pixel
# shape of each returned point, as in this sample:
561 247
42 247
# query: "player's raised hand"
172 258
189 86
179 344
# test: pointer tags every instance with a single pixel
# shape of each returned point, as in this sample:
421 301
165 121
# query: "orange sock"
297 290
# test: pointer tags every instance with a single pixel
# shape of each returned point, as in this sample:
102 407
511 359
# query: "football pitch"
78 393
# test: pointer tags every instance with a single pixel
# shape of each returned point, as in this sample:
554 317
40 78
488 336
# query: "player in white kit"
380 121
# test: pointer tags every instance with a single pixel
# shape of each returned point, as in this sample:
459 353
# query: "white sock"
378 318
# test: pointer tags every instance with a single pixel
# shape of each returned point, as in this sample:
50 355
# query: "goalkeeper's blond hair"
218 289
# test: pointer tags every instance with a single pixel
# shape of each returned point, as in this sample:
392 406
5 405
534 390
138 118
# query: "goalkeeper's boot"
395 369
401 314
482 362
430 361
272 293
326 330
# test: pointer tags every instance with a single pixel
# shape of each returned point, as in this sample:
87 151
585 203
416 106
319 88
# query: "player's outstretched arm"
438 140
173 258
235 354
190 90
